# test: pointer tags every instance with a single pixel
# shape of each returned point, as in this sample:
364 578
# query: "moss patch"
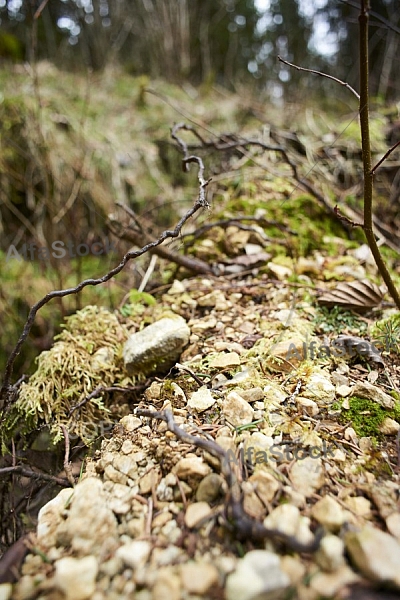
366 416
87 354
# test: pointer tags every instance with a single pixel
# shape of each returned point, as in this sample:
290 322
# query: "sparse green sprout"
386 334
337 319
138 302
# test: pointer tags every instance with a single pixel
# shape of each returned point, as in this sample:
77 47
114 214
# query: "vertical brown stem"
366 153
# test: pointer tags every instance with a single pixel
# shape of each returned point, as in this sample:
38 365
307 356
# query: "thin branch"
187 159
363 98
229 141
343 83
67 464
378 164
101 390
35 475
366 153
40 9
346 219
197 379
137 238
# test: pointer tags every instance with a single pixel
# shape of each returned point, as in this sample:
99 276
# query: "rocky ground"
255 446
253 452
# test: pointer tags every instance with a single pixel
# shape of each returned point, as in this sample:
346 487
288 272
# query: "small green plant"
386 334
138 301
337 319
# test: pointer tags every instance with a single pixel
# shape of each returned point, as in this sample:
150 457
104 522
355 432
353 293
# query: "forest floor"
280 422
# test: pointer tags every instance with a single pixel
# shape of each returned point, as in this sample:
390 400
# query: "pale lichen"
86 355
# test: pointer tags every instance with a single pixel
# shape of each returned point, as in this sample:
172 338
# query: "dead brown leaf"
355 295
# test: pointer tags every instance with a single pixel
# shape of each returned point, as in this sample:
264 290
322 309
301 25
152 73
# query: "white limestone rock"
76 577
376 554
157 347
258 576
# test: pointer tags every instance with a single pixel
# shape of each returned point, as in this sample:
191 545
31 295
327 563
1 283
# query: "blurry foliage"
191 39
384 44
229 42
11 47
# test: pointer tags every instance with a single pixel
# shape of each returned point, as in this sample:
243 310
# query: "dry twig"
67 464
384 157
35 475
321 74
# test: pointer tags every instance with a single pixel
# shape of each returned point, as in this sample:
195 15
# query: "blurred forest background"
224 41
89 90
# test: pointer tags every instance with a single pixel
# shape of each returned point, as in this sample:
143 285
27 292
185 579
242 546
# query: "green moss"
300 213
87 354
366 416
